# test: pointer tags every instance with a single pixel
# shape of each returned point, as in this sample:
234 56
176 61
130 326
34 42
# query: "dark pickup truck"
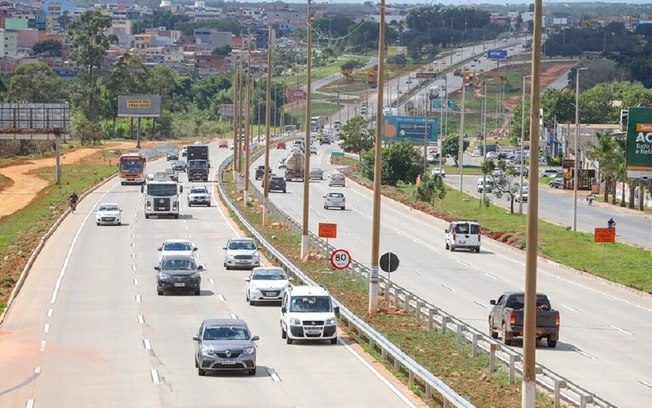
506 317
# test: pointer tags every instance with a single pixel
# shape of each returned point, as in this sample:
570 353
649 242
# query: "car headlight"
255 256
295 321
163 275
330 321
207 350
248 350
148 204
194 275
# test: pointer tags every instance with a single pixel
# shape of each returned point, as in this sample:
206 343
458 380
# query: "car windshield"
133 165
269 274
306 304
198 190
178 265
161 190
226 333
277 178
242 245
107 207
197 164
177 246
336 195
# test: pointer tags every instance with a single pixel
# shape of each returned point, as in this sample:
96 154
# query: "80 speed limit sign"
340 259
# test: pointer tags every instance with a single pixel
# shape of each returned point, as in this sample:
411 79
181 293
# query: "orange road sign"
604 235
327 230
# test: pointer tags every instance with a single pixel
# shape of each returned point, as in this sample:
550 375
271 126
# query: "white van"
486 185
307 313
463 234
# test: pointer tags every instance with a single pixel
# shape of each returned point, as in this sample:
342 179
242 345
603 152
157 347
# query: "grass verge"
439 353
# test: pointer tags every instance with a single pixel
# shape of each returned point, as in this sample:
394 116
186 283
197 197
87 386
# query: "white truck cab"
307 313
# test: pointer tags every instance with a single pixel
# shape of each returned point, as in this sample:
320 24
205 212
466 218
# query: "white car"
108 214
491 155
241 252
334 200
463 234
307 313
199 195
177 247
266 284
438 171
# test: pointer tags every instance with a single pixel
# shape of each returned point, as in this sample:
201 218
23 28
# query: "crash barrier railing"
388 350
560 387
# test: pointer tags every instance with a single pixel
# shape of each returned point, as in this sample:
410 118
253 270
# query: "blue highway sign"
413 128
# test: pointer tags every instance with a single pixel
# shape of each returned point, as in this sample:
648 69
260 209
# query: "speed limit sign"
340 259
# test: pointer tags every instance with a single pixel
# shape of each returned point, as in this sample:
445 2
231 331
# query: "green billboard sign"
638 157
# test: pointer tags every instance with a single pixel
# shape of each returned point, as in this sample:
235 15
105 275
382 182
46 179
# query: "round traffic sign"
340 259
389 262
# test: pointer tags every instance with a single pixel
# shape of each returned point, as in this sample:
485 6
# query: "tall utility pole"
247 141
520 186
484 140
576 167
528 391
375 229
306 154
461 148
267 119
236 113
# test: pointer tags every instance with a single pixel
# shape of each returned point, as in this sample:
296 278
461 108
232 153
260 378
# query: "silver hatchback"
337 179
334 200
225 344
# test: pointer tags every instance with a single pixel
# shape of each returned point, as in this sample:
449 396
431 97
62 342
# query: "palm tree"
604 153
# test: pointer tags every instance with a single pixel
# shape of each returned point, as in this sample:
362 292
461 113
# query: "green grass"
299 79
317 109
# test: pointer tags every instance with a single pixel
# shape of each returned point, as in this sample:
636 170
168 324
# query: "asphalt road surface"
88 329
605 329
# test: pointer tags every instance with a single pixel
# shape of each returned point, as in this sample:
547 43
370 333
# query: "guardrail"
560 387
388 350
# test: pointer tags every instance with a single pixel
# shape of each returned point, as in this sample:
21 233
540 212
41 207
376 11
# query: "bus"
132 168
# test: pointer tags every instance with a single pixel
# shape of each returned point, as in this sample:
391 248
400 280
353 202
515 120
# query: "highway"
88 329
604 328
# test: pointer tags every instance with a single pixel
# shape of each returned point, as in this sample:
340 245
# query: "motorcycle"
73 204
611 223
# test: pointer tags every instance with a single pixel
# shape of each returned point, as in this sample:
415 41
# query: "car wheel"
283 190
334 340
252 371
477 250
508 342
551 343
201 372
343 208
189 205
97 223
197 291
447 246
288 340
196 364
159 292
208 205
325 208
452 248
176 216
252 302
492 333
119 223
283 333
227 267
146 215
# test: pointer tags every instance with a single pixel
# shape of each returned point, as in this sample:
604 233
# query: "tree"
51 48
356 137
226 50
451 146
596 104
609 157
431 188
400 162
35 82
88 46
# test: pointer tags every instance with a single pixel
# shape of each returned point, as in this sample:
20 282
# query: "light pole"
520 188
576 168
484 136
267 125
306 156
461 141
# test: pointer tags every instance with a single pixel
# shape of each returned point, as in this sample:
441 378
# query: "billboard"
294 95
36 121
139 106
413 128
496 54
638 156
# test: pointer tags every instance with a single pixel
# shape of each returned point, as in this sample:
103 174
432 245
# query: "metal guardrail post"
408 298
418 310
397 294
512 368
460 332
559 384
431 320
474 344
444 324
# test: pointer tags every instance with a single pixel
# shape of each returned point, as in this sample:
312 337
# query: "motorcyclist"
72 199
589 198
611 223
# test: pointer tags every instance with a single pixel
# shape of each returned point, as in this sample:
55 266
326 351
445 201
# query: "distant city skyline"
454 2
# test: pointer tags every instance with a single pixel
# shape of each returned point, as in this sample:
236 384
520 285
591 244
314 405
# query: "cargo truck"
198 164
294 166
161 196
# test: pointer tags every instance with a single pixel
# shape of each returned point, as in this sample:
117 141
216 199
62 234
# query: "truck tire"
447 246
452 248
283 333
492 332
146 215
176 216
551 343
506 340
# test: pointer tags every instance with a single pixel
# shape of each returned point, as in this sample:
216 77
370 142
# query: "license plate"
462 242
179 285
270 293
313 331
228 362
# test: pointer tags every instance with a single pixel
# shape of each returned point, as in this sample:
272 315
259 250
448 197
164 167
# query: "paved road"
604 328
88 329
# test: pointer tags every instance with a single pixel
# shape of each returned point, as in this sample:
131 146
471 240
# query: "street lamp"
577 144
520 193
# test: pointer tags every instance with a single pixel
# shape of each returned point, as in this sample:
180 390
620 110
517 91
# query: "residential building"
8 42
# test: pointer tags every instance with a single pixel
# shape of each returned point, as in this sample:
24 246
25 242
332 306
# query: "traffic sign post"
239 181
340 259
327 230
389 263
604 235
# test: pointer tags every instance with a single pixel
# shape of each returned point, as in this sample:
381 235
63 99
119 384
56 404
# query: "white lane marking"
37 370
378 375
272 373
155 378
234 316
30 403
482 305
50 312
221 297
622 330
135 282
447 287
569 307
133 268
492 276
463 263
187 227
647 384
587 355
419 273
211 281
42 348
138 299
133 255
46 328
133 245
141 319
147 344
133 236
189 235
